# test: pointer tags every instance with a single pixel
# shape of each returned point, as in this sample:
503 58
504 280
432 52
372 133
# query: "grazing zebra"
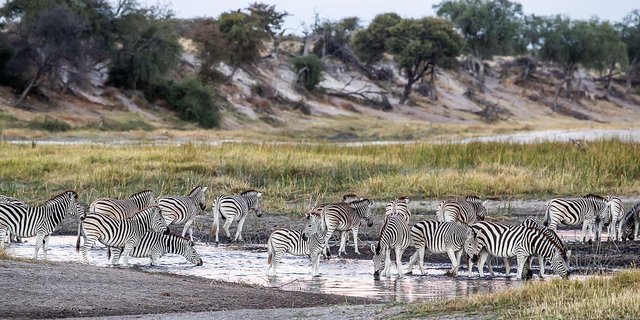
11 200
310 242
154 245
235 208
344 217
124 208
118 233
438 237
552 236
572 211
399 206
631 223
38 221
465 211
394 236
521 241
177 209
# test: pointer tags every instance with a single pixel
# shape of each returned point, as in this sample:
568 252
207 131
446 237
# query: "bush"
190 99
309 71
49 124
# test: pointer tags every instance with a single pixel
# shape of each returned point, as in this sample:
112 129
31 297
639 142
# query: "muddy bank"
53 289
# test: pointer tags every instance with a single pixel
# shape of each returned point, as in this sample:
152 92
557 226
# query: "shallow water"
338 276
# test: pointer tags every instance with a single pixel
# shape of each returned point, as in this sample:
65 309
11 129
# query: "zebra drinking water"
438 237
309 242
123 208
118 233
572 211
178 209
394 236
154 245
38 221
235 208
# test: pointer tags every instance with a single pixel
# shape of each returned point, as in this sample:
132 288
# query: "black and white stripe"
344 217
123 208
181 209
399 206
465 211
395 236
631 223
154 245
118 233
11 200
616 214
438 237
589 210
38 221
235 208
309 242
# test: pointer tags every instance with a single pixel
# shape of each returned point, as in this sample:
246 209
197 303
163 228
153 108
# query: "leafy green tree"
610 53
270 20
629 30
335 38
212 49
490 27
420 46
244 35
308 70
369 44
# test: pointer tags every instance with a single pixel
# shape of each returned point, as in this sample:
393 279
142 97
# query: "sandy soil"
50 290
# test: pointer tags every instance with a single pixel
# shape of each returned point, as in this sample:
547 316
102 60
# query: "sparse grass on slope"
324 171
614 297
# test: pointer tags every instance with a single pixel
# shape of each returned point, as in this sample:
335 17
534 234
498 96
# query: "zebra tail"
216 216
270 251
79 233
547 216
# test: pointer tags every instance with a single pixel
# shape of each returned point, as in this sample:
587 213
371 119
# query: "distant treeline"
60 45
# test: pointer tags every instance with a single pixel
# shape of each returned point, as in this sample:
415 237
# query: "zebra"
522 241
118 233
344 217
11 200
588 210
438 237
154 245
552 236
465 211
616 212
235 208
309 242
124 208
631 223
399 206
39 221
394 236
350 197
178 209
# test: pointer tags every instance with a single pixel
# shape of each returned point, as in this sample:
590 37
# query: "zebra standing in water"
177 209
310 242
616 212
438 237
38 221
344 217
235 208
520 241
123 208
465 211
117 233
572 211
11 200
394 236
154 245
631 223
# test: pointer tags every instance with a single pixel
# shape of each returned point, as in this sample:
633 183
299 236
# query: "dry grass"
614 297
322 172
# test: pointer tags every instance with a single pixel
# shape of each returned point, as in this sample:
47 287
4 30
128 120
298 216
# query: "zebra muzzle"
376 275
304 237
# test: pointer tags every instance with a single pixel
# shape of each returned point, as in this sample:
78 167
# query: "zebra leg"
227 224
412 261
507 267
187 226
585 224
88 244
482 258
116 253
469 267
387 264
239 231
521 262
490 266
3 234
399 252
315 261
39 243
458 257
421 259
635 233
452 257
45 247
155 259
125 254
343 245
542 263
355 239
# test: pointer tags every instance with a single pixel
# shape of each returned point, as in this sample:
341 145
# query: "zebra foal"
235 208
154 245
178 209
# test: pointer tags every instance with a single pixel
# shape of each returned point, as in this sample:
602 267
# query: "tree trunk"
610 78
407 91
630 71
432 83
26 90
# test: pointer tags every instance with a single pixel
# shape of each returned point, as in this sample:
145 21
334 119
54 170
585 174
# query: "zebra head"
471 245
363 210
560 263
191 255
351 197
315 223
153 218
70 199
253 200
378 261
197 194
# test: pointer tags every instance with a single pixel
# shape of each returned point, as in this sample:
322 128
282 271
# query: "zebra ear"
259 194
373 248
204 189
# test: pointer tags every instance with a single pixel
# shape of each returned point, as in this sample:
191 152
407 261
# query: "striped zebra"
521 241
572 211
235 208
616 213
117 233
465 211
38 221
395 236
154 245
345 217
631 223
123 208
309 242
399 206
351 197
178 209
438 237
11 200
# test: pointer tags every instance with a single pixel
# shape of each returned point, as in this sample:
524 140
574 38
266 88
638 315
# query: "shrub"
191 100
309 71
49 124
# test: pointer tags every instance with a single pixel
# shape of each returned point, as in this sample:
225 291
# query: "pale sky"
303 10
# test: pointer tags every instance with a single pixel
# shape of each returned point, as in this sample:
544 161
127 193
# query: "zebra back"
467 212
496 238
573 211
124 208
438 236
398 206
180 209
12 200
346 216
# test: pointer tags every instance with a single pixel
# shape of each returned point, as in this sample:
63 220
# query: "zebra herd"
138 227
133 227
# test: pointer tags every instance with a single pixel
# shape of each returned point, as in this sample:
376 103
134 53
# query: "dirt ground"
52 290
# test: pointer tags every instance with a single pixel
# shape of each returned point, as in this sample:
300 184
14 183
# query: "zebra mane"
350 197
58 197
250 192
194 190
359 203
546 233
140 193
471 198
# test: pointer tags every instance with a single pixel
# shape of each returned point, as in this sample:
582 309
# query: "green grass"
614 297
322 172
49 124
